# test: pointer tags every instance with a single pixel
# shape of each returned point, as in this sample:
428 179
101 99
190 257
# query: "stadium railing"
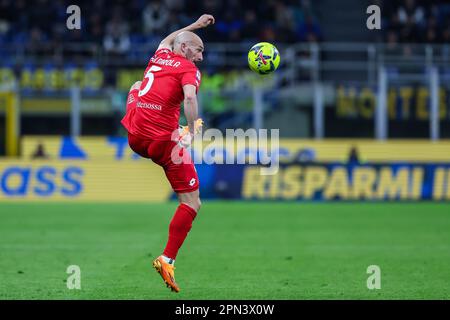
310 77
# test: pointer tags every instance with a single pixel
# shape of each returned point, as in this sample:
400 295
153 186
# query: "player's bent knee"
192 199
194 204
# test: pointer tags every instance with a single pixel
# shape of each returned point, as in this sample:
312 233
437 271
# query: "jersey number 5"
149 75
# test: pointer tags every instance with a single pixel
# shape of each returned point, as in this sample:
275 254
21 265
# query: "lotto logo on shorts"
192 182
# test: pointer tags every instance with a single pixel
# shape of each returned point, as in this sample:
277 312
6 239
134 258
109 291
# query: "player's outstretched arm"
202 22
190 106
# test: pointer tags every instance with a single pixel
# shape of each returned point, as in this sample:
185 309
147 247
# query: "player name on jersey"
166 62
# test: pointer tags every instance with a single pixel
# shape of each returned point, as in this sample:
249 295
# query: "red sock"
179 227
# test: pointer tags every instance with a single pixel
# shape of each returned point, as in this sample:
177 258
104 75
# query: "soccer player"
153 110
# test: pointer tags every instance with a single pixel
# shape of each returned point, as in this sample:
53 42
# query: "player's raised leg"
180 225
187 48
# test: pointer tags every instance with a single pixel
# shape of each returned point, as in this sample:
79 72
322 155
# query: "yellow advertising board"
372 150
106 169
116 148
55 180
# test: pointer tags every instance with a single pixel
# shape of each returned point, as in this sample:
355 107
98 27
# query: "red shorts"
175 160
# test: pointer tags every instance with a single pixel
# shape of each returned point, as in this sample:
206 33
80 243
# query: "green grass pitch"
255 250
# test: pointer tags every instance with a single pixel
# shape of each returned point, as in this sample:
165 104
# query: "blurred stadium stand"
327 84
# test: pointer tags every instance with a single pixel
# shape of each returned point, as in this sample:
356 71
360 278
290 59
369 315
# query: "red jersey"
157 110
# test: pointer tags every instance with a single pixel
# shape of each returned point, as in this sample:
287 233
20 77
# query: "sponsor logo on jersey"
149 106
130 99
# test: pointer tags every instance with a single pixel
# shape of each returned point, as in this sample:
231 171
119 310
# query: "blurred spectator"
310 30
431 34
155 17
415 22
5 13
96 28
284 19
40 152
268 34
250 28
392 41
353 156
394 24
116 25
175 5
117 38
409 32
36 41
173 21
410 12
446 35
229 25
28 23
